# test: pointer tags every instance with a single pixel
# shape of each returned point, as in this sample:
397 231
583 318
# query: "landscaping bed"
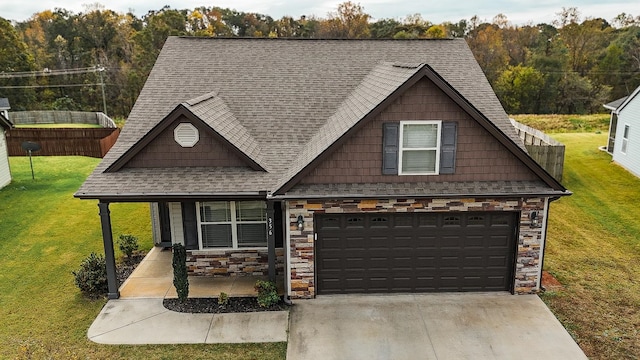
211 305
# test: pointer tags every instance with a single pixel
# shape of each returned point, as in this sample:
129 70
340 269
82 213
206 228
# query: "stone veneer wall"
235 262
528 259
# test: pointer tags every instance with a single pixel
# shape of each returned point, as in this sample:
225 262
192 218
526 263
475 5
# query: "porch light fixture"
533 216
300 222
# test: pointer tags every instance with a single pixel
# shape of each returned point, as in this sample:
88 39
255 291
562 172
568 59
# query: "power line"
47 86
47 72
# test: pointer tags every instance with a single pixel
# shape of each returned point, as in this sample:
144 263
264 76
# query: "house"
5 124
623 132
344 166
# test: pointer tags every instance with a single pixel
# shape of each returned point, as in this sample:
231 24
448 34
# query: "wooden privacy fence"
546 151
93 142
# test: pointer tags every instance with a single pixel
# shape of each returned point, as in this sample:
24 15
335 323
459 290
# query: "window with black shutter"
419 148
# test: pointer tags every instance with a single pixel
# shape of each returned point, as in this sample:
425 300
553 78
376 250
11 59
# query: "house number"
270 221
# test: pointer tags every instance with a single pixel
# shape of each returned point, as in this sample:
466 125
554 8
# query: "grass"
566 123
594 250
44 235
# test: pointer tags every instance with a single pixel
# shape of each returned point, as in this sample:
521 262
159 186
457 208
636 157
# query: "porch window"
419 147
625 139
232 224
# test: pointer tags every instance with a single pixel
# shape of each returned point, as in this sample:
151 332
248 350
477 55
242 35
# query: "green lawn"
44 234
594 250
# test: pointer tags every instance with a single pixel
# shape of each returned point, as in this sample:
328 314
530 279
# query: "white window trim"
437 148
624 147
234 228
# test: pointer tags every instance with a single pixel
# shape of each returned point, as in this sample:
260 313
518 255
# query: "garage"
415 252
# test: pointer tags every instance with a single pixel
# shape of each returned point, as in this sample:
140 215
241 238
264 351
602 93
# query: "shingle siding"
479 156
163 151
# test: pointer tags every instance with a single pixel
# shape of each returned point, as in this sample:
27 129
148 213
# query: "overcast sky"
437 11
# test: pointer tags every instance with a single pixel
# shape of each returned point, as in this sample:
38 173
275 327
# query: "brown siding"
479 156
163 151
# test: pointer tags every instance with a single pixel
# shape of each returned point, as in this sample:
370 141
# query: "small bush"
91 278
223 299
128 244
180 276
267 293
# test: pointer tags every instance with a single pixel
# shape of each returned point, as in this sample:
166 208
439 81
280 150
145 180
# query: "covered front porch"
153 278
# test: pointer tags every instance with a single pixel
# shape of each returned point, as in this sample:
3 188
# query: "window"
625 139
419 147
232 224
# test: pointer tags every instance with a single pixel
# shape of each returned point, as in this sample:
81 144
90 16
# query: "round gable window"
186 135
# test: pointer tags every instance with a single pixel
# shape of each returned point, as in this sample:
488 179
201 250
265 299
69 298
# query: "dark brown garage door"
415 252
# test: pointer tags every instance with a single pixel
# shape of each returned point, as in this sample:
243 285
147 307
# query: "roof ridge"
215 113
195 101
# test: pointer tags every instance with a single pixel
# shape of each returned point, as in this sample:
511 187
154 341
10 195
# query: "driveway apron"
431 326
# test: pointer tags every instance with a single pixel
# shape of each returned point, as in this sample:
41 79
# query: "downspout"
543 244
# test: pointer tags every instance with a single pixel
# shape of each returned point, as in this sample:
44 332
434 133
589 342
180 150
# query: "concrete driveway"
432 326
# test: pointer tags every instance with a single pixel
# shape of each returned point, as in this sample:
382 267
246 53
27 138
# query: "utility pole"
104 99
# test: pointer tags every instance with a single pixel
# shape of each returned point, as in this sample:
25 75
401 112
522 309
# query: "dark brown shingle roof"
280 101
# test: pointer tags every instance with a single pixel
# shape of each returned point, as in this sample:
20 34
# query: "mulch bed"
210 305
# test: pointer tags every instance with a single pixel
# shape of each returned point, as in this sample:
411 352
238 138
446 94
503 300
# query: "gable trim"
180 110
627 101
428 72
492 129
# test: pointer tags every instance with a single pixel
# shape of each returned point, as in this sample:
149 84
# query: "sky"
518 12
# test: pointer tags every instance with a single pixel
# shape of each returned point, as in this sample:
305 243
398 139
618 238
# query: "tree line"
62 60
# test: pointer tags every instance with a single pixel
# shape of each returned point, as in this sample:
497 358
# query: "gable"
479 156
164 151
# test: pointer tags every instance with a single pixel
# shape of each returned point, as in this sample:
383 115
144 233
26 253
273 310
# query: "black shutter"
390 141
190 225
448 148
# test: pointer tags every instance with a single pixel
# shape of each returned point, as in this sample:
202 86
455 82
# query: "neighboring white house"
5 172
624 131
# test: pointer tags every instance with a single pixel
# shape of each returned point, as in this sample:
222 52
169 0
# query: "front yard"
593 249
44 234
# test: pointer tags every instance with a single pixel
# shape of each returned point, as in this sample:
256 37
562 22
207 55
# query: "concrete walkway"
433 326
139 317
147 321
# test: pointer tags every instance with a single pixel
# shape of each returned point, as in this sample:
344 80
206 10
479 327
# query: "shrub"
267 293
91 278
180 280
223 299
128 244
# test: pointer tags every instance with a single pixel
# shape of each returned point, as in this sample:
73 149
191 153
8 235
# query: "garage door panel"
415 252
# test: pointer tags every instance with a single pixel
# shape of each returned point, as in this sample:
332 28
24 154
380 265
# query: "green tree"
15 57
518 88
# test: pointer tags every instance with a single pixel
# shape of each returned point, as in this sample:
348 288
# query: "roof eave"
159 197
426 196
